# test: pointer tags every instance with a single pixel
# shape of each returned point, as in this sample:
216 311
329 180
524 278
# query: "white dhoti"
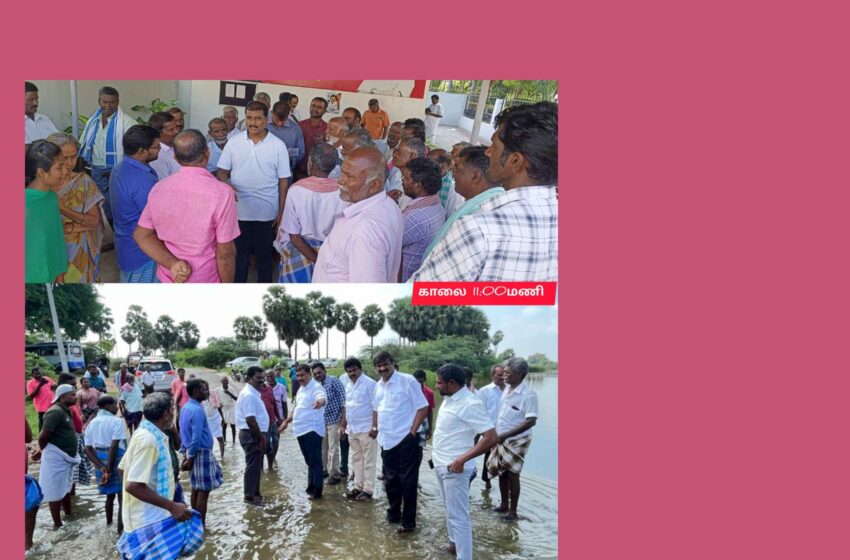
57 473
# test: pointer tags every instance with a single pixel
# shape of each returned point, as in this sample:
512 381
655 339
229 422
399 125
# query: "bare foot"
509 517
501 509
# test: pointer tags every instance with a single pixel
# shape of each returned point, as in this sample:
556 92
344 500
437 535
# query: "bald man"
365 242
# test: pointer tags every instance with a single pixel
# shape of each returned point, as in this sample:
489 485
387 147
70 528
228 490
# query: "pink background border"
704 297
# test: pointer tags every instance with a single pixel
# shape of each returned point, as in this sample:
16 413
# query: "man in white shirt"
147 381
491 396
399 409
38 126
101 141
230 115
252 421
518 411
433 115
218 139
168 127
357 422
106 441
308 425
256 164
462 416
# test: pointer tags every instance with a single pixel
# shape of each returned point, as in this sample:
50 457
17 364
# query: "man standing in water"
228 408
491 396
518 411
195 434
399 409
58 444
308 425
252 421
461 417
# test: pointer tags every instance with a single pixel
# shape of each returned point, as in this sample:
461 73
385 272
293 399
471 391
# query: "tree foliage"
78 309
420 323
188 335
346 321
166 334
250 328
372 321
128 336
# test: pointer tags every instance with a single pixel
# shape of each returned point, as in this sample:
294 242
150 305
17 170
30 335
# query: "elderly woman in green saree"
80 204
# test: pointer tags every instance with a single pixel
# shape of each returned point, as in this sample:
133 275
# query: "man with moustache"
308 425
130 184
218 139
168 128
356 422
388 144
256 163
491 396
365 242
252 421
101 141
423 216
288 131
313 129
408 148
230 115
38 126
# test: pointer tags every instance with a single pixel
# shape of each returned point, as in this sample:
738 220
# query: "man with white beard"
218 138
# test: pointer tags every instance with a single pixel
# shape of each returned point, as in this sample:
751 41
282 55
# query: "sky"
214 307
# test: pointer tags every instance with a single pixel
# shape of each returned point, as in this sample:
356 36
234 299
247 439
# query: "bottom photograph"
269 421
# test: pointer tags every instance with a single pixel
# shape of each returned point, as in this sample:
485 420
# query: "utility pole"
57 331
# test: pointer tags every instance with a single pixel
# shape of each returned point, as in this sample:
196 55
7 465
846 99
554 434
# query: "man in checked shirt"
333 412
514 236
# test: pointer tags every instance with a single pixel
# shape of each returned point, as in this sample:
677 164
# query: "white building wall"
453 106
204 102
54 96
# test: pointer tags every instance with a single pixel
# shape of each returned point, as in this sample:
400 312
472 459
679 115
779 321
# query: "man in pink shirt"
365 242
189 223
179 392
39 389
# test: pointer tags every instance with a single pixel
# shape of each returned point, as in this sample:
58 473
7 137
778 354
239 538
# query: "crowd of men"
339 422
356 198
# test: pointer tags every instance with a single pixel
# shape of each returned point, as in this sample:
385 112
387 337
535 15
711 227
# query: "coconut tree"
497 338
128 336
328 318
372 321
346 321
188 335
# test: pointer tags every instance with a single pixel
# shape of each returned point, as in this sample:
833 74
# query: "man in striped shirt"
423 216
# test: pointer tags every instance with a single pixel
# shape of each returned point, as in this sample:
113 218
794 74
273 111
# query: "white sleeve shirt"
305 418
37 128
104 429
491 396
397 402
515 407
249 404
461 417
358 404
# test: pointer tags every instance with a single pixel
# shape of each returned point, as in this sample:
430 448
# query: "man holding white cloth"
462 416
58 444
308 425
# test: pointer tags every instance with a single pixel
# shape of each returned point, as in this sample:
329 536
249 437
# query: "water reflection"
290 526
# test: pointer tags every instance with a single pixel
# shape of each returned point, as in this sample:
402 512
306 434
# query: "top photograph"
291 181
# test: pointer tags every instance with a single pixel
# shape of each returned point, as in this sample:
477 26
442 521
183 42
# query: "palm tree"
128 336
327 316
372 321
189 335
498 337
346 321
314 300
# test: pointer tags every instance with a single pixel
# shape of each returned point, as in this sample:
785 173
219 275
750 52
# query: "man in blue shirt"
288 131
129 185
196 437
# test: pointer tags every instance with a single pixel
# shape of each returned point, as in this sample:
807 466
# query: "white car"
242 363
331 363
162 370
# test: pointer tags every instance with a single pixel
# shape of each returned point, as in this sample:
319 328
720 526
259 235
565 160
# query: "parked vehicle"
50 352
162 370
331 362
242 363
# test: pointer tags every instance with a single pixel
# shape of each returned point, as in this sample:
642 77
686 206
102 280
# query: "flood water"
289 526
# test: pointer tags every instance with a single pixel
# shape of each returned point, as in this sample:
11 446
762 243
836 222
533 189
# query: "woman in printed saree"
80 203
44 250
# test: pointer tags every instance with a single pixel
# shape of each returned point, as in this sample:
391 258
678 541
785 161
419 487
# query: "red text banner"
484 293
